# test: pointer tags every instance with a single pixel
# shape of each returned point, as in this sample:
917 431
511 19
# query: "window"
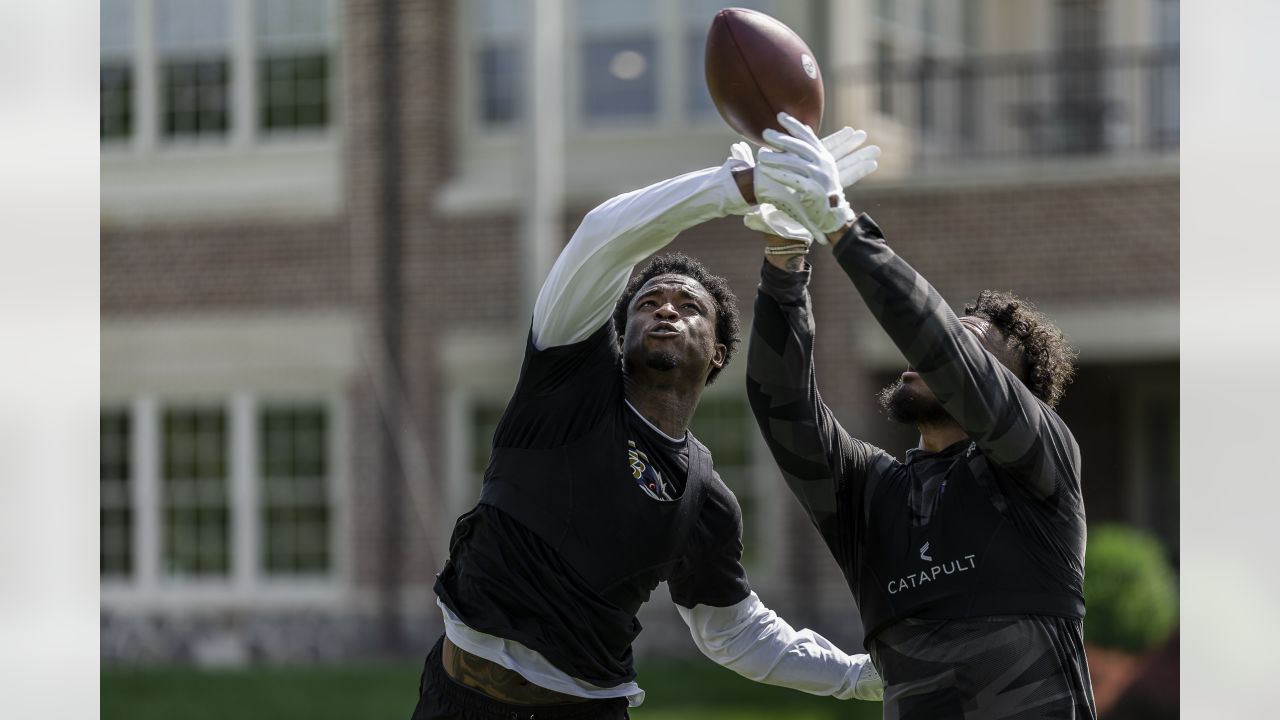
115 89
619 59
1165 87
205 469
115 523
1081 108
724 424
499 27
226 71
294 74
295 490
197 514
193 38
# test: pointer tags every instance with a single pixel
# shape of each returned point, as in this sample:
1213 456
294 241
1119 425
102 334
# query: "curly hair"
680 264
1048 358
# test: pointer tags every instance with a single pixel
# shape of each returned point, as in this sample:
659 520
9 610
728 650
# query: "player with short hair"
967 560
597 491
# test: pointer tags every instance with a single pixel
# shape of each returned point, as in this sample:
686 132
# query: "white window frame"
150 177
247 583
241 364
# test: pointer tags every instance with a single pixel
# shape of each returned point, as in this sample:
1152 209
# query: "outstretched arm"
1012 425
593 269
831 473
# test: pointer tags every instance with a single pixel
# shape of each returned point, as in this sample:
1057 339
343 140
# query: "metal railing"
1110 102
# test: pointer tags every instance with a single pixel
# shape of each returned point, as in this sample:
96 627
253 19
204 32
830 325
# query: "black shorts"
441 697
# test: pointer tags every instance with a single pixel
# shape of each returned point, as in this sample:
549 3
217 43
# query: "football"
757 67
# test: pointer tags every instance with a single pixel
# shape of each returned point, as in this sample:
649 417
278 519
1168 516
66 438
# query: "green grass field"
676 690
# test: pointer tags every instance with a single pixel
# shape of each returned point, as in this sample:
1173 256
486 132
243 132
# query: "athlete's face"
671 323
909 400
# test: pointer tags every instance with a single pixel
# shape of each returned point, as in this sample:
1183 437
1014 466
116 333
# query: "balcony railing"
1113 102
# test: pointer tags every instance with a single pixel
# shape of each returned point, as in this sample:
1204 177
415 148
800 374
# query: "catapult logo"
928 575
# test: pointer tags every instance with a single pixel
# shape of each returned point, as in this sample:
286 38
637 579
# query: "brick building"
316 261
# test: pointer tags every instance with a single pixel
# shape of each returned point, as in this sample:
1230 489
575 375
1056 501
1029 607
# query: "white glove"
770 220
741 152
765 218
803 165
853 165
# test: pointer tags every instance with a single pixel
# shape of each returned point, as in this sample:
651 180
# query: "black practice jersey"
967 565
584 510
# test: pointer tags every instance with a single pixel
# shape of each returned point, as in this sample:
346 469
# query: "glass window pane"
293 22
194 98
619 79
115 27
115 522
194 491
193 24
115 101
501 84
295 502
294 91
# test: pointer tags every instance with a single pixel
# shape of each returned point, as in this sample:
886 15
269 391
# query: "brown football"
757 67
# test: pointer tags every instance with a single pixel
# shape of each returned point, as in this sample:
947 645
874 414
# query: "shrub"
1130 593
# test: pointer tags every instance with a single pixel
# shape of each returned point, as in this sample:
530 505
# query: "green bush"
1130 593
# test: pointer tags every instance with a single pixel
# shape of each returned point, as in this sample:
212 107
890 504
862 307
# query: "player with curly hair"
966 560
596 491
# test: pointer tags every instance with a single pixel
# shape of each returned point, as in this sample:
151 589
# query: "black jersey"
967 565
572 532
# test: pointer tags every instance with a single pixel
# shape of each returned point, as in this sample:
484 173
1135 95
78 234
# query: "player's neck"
934 438
668 406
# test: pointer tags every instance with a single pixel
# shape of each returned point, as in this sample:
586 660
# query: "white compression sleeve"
754 642
593 269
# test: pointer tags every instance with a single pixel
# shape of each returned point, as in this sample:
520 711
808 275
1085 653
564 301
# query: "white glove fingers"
857 172
858 165
843 142
863 155
742 151
870 152
787 161
786 143
799 130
